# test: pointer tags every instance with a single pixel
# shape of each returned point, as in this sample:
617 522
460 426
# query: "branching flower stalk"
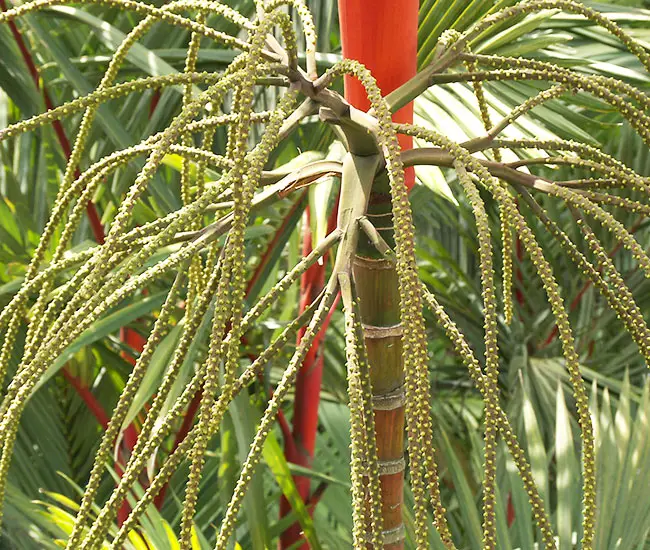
106 251
149 441
63 295
621 300
218 410
73 162
234 253
463 349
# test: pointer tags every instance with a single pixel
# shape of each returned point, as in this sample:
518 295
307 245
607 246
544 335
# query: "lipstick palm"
198 252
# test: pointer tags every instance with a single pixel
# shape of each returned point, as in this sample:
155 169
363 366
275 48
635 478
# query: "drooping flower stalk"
368 527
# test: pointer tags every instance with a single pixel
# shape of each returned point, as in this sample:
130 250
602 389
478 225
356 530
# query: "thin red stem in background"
136 342
132 338
155 98
300 446
193 407
95 407
305 421
510 512
93 217
88 398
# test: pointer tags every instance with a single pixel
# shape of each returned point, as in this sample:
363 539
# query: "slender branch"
145 445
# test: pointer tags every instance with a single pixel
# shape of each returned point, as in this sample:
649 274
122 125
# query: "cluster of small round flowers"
471 362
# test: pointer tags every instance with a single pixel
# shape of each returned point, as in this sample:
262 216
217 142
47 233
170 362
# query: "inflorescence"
209 265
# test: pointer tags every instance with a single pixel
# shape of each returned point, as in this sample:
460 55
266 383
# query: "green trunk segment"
377 288
380 213
385 355
378 291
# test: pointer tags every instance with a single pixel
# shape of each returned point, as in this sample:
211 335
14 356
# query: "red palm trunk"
382 35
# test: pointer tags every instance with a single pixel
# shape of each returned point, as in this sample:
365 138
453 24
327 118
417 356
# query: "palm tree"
190 166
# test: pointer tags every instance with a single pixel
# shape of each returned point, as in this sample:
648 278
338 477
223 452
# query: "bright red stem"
300 444
94 406
383 35
299 449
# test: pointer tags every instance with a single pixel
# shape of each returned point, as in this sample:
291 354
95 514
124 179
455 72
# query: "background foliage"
71 46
